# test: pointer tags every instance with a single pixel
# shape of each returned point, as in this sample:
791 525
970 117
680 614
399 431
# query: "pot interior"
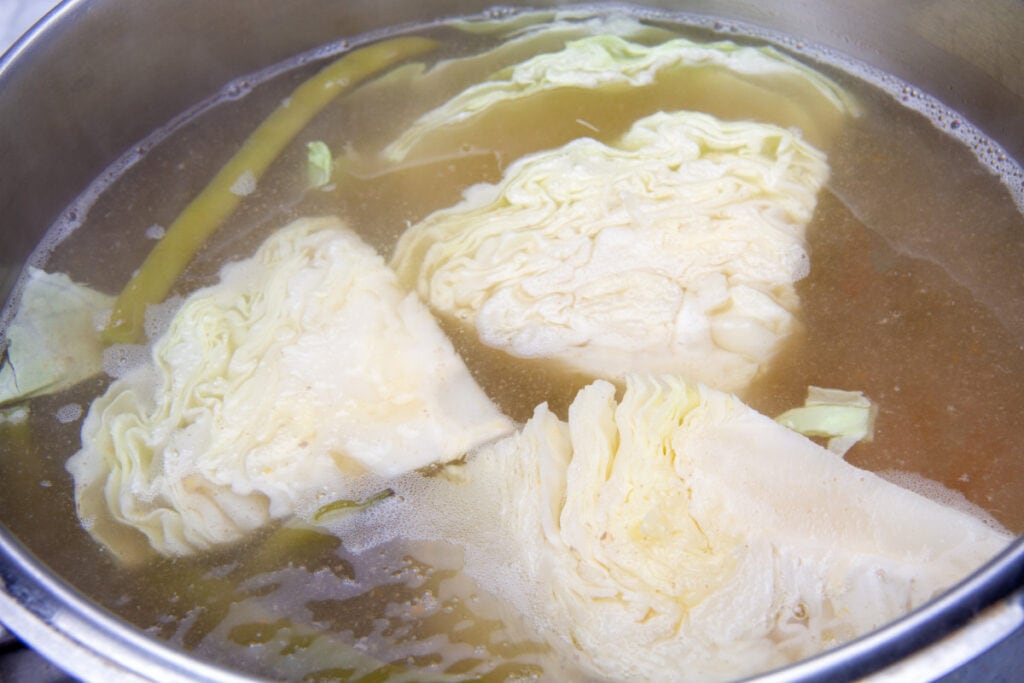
914 296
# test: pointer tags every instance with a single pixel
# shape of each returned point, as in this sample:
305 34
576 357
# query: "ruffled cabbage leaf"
682 536
674 250
306 375
612 62
53 342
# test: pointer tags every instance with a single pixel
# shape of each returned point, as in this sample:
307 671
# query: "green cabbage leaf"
613 63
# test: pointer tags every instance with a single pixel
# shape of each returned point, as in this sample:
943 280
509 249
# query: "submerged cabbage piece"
613 62
299 378
674 250
319 163
53 342
680 535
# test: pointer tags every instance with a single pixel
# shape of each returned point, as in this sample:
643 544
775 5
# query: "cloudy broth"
914 297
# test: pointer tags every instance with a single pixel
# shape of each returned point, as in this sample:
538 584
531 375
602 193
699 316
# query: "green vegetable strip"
214 204
348 506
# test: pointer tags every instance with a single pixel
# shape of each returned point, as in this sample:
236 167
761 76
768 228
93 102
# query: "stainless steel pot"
97 76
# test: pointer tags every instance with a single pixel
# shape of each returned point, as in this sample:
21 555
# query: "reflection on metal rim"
80 637
942 657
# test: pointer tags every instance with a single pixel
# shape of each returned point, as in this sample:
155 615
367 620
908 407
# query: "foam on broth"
915 298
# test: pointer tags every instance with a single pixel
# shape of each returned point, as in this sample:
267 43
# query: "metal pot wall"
97 76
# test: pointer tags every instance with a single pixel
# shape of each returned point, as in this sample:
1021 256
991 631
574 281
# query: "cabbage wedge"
680 535
304 376
674 250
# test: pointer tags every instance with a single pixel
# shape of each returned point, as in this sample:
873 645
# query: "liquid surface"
914 297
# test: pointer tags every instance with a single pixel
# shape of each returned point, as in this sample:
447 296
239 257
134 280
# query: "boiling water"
915 298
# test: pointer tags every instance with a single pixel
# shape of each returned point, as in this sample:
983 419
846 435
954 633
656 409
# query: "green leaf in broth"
611 63
292 543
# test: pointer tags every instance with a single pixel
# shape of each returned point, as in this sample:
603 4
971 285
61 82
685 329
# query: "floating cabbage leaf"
53 342
14 416
304 376
680 535
844 417
674 250
319 163
611 62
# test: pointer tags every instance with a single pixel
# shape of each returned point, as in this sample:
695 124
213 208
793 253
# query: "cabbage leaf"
844 417
53 342
680 535
674 250
613 62
306 375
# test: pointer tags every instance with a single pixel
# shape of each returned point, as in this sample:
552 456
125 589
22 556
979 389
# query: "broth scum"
914 297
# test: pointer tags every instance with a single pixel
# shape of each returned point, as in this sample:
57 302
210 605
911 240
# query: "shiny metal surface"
951 653
120 68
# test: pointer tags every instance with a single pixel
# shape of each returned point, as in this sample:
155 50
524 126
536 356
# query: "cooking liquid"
915 298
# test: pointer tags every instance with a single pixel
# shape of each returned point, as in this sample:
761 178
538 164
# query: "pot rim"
90 643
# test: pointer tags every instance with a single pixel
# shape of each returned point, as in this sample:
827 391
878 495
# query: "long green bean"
216 202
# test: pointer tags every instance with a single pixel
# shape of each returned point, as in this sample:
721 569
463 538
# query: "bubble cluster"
935 491
69 413
988 152
120 359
